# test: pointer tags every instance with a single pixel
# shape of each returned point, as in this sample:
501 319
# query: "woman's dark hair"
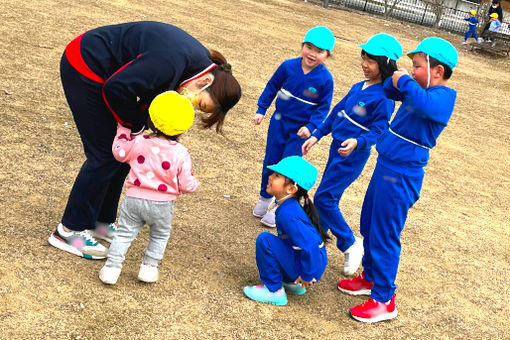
309 209
447 70
225 91
386 65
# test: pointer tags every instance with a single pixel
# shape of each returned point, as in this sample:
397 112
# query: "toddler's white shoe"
480 40
353 256
464 42
261 208
148 273
269 219
109 275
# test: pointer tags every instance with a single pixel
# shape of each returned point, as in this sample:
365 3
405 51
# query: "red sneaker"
374 311
356 286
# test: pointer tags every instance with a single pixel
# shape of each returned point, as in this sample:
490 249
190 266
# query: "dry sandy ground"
454 272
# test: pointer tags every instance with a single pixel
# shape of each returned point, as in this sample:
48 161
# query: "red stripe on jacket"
117 118
73 55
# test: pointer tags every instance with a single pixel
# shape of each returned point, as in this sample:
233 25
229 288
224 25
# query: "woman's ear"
206 79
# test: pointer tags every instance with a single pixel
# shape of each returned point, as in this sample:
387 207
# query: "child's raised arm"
391 91
435 105
122 144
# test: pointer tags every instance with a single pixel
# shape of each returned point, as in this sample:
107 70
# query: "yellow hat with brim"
171 113
494 15
473 12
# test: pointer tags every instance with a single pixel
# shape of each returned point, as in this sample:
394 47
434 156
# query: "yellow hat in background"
171 113
473 12
494 15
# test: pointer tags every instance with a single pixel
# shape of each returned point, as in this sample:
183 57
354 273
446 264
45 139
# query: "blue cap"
297 169
384 45
438 49
320 36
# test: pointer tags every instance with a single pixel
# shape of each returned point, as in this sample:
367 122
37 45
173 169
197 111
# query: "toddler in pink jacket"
160 171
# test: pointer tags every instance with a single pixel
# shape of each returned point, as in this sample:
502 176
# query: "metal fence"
414 11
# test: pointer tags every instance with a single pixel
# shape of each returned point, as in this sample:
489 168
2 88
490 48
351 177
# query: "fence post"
424 11
326 3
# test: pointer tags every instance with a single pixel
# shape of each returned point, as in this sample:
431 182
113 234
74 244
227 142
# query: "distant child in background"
427 104
472 21
296 258
355 123
160 171
494 26
305 89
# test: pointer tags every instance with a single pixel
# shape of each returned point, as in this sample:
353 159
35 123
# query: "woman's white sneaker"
80 243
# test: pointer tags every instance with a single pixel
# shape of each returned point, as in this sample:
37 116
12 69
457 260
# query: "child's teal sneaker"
296 289
262 294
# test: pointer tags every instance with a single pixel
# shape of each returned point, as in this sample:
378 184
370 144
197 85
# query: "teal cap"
297 169
384 45
320 36
438 49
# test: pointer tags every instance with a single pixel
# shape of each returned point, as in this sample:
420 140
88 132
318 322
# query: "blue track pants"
278 262
389 197
340 172
282 141
470 32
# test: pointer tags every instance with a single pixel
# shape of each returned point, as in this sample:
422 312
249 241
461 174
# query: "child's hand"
305 284
307 145
396 76
348 146
257 119
304 133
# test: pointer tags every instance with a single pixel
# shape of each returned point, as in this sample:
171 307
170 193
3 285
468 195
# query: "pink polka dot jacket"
160 169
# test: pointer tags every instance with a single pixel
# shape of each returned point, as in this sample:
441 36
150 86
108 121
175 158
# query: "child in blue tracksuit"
355 123
296 258
472 21
427 104
304 87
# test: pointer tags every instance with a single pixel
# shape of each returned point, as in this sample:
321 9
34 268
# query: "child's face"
313 56
276 186
370 68
420 69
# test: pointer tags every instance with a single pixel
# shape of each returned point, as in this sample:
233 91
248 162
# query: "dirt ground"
455 265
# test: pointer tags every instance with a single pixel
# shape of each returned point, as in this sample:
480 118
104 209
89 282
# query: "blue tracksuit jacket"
303 100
